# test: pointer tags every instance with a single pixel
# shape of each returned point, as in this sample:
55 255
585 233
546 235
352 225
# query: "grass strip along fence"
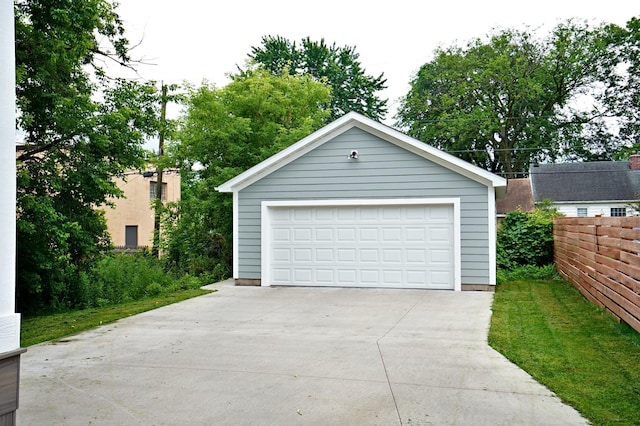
600 256
571 346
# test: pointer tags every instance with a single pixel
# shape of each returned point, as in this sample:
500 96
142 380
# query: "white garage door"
401 246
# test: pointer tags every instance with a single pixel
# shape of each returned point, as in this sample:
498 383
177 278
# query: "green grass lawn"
571 346
49 327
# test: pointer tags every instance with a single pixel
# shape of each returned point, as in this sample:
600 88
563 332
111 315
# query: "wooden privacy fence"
601 257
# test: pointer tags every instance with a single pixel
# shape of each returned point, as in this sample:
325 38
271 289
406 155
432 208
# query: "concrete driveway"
289 356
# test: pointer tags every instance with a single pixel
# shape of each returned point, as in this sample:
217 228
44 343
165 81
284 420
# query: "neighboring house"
359 204
130 222
599 188
518 197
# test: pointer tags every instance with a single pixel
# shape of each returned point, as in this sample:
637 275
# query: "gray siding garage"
401 214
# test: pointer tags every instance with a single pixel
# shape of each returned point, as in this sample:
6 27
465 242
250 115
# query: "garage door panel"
439 214
417 214
391 213
346 255
302 214
440 234
347 277
441 279
347 235
391 234
369 234
280 215
440 256
416 234
369 255
303 276
302 255
392 277
282 255
369 276
282 275
417 256
324 276
324 214
416 277
281 234
324 234
392 256
302 234
346 215
324 255
374 246
368 214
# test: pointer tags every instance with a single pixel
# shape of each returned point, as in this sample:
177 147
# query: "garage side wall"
382 170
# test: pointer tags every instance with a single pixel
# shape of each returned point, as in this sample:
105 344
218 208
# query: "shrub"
526 238
125 277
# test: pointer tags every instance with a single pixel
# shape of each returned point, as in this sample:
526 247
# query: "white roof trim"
341 125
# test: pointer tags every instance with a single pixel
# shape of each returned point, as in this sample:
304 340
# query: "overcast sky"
193 40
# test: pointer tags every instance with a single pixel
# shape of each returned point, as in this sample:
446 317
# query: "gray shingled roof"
593 181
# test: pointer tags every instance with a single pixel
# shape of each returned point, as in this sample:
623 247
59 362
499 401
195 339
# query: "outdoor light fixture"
353 155
147 174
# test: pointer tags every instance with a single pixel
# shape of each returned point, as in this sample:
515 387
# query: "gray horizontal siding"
382 170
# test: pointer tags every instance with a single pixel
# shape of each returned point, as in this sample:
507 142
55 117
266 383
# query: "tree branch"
28 154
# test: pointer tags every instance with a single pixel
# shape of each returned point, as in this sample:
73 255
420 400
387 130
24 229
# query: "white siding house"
599 188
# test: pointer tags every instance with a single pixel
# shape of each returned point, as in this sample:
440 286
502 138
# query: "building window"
152 190
618 211
131 236
582 211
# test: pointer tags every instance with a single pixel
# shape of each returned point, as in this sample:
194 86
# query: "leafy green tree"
80 129
224 132
352 89
623 94
512 99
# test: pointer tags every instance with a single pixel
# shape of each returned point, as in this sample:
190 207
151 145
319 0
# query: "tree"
224 132
623 89
80 129
513 99
352 89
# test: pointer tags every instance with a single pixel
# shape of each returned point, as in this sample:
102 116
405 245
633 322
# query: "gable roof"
386 133
592 181
518 197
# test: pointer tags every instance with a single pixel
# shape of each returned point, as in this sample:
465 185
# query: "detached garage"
359 204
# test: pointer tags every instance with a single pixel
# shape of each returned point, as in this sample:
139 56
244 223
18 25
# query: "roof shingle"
591 181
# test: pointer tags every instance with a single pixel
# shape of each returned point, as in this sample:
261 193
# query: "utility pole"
159 189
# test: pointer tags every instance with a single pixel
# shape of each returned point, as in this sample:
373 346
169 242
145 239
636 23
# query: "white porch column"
9 320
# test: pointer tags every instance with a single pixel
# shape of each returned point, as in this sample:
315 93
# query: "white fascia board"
236 236
493 243
385 132
287 155
339 202
434 154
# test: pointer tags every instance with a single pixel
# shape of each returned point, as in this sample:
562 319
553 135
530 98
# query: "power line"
562 172
499 149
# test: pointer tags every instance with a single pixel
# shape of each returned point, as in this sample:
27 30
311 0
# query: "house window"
131 236
618 211
582 211
152 190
